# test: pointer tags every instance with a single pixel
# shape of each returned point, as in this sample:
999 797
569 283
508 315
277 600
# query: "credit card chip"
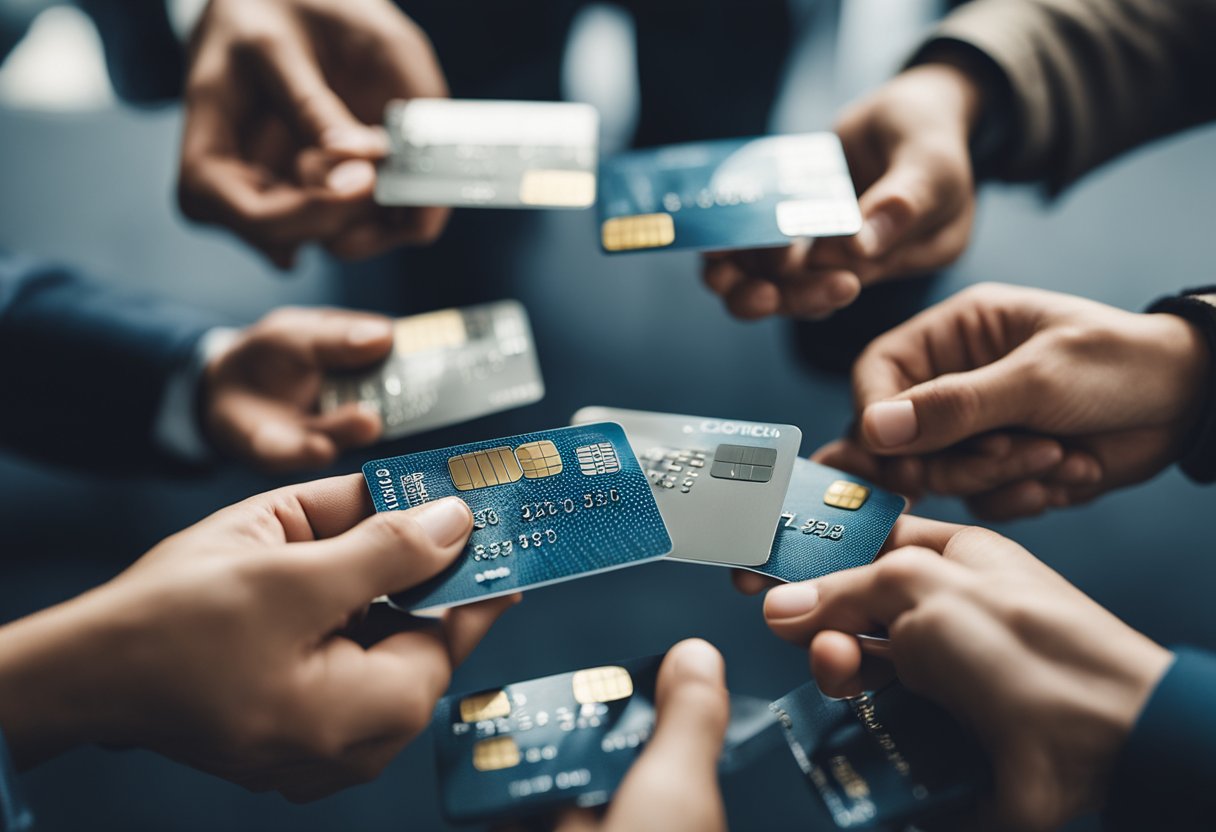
638 231
602 684
495 754
491 704
747 463
539 459
572 188
444 329
847 495
480 469
599 458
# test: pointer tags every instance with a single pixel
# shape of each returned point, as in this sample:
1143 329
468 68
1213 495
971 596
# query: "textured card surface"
532 747
492 154
882 760
720 484
727 194
446 367
547 507
831 521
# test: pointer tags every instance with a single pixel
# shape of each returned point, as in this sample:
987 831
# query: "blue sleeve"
83 367
1165 777
14 816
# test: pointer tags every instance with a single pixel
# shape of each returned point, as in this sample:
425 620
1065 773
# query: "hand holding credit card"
546 506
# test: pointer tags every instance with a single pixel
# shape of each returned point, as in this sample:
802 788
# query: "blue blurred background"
87 181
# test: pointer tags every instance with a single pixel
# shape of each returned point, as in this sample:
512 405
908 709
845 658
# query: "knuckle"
402 530
957 403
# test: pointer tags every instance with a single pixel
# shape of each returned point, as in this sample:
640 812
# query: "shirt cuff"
176 430
15 816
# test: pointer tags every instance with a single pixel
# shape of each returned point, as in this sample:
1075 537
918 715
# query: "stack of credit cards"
531 748
727 194
446 367
735 493
493 154
547 507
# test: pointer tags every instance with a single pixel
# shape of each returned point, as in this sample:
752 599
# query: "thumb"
946 410
674 784
309 103
391 551
898 205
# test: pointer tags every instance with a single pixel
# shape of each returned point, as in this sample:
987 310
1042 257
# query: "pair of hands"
278 144
221 648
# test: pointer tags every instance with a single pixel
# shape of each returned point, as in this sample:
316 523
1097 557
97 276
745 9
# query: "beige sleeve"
1092 78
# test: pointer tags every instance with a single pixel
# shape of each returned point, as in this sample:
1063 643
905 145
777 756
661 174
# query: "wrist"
61 680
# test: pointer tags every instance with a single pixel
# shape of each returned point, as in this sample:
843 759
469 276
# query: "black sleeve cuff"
1198 306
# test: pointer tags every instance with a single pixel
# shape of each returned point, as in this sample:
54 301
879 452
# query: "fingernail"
891 423
367 332
351 177
444 521
1044 457
791 600
698 659
274 439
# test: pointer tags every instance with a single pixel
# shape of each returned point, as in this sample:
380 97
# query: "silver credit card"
446 367
719 483
492 154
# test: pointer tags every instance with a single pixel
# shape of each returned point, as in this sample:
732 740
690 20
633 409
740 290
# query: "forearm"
82 359
1090 78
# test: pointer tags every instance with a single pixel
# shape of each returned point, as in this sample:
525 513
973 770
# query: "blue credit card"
727 194
547 507
830 521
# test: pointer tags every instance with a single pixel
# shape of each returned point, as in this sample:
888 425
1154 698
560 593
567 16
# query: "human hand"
907 146
259 395
673 786
1019 399
218 647
1050 682
277 145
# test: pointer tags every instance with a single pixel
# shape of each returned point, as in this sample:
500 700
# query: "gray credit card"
491 154
446 367
720 483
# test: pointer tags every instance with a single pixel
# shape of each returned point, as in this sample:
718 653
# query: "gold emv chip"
638 231
602 684
847 495
496 753
491 704
539 459
499 466
572 188
430 331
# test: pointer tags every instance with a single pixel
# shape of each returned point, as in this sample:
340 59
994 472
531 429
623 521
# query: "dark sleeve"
14 816
1165 777
1198 306
1090 79
146 63
83 367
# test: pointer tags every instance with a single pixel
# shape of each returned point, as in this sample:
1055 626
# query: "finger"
386 229
348 426
963 473
674 784
303 96
578 820
466 626
1028 498
948 409
270 435
720 273
819 293
386 553
905 201
752 299
858 600
311 510
848 455
353 179
1078 468
910 530
752 583
334 339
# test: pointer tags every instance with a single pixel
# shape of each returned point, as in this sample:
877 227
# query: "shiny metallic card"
719 483
727 194
446 367
489 154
